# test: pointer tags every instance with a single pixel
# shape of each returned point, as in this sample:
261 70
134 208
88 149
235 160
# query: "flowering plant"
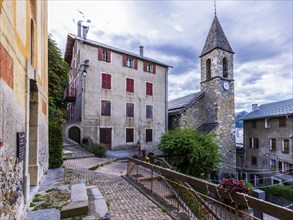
233 185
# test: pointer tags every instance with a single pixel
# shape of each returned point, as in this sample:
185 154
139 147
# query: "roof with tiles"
72 37
178 105
275 109
216 39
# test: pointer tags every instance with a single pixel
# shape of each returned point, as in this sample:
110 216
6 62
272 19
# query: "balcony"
69 94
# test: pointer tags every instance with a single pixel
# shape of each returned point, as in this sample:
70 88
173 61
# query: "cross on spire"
215 6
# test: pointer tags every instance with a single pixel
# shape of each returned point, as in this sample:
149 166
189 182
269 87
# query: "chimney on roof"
254 106
79 28
141 51
85 30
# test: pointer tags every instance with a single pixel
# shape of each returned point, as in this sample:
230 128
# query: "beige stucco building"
23 102
115 97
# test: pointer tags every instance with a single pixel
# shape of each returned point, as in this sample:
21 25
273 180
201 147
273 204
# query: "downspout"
166 100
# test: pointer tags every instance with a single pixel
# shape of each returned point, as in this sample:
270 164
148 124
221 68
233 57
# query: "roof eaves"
95 43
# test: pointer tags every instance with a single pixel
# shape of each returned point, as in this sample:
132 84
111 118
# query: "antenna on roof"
215 6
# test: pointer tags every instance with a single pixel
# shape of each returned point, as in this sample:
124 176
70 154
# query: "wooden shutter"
149 135
100 53
129 85
145 66
124 59
108 56
129 110
106 81
154 68
135 64
282 122
149 88
129 135
250 142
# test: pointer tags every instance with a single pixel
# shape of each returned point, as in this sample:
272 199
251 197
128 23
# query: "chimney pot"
85 30
79 28
254 106
141 51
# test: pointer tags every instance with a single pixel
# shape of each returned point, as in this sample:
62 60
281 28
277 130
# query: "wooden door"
106 137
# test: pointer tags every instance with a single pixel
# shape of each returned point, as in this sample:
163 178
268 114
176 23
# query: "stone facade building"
268 143
115 97
212 109
23 102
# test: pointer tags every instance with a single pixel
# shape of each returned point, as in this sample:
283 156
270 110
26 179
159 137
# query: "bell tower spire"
217 82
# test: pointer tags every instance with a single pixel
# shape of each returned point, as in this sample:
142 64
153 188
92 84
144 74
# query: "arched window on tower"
32 42
208 69
225 68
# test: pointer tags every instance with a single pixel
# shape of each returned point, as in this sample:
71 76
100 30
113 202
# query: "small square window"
282 122
149 88
149 111
253 160
129 135
129 110
149 135
105 108
129 85
106 81
285 146
273 144
129 62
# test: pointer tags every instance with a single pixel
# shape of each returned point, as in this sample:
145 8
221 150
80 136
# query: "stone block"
101 208
78 193
97 194
74 209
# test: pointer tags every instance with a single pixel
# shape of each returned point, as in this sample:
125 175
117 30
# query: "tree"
190 152
58 80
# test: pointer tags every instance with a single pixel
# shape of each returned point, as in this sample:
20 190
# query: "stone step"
42 214
79 202
100 204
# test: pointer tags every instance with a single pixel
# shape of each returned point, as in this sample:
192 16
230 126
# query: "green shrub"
99 150
190 152
55 145
281 191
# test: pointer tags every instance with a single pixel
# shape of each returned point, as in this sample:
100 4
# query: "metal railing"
198 198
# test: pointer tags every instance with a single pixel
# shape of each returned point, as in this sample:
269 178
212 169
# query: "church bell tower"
217 81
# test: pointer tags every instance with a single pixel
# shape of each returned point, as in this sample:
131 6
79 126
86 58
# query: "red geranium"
233 185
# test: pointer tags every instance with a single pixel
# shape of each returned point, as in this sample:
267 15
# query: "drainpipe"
166 100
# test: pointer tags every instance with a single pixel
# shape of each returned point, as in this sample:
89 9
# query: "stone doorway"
33 133
74 134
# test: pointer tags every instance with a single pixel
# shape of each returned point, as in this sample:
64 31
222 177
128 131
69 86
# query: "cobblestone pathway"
125 202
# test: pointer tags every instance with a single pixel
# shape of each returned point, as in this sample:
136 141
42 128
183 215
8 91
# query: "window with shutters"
149 111
149 88
105 108
104 55
129 85
129 109
273 144
285 146
149 67
106 81
273 164
253 143
253 160
282 122
253 124
129 62
148 135
129 135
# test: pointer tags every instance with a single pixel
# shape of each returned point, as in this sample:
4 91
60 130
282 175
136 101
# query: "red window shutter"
100 53
145 66
103 80
129 85
108 56
135 64
149 88
154 68
108 81
124 59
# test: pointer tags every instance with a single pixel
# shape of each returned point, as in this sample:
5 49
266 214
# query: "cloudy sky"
174 32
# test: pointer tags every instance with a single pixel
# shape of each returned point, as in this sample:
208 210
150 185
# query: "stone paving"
125 201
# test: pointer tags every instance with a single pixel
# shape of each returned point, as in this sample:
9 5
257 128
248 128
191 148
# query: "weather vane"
215 7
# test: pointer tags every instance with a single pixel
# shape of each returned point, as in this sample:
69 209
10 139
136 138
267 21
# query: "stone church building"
212 108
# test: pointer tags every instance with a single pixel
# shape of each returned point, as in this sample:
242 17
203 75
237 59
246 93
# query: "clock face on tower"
226 85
